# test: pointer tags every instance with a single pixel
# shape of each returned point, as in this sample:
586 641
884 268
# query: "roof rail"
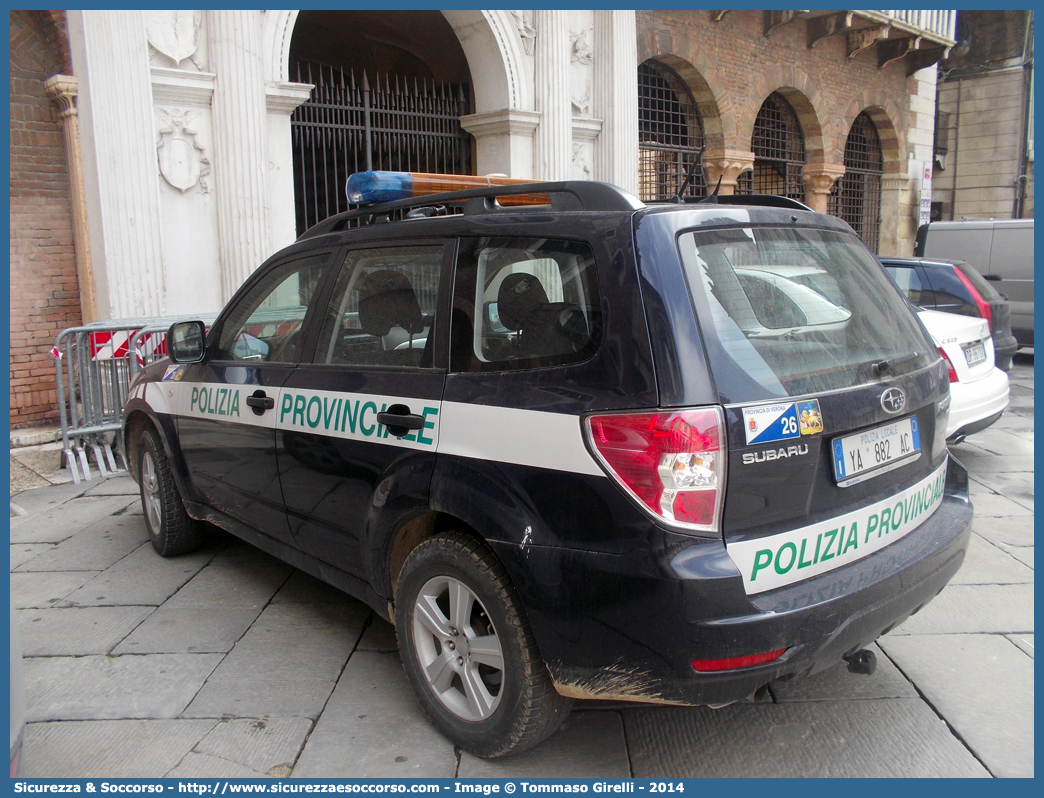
565 195
764 200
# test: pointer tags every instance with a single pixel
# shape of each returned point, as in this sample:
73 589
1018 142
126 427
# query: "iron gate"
856 197
670 134
779 152
399 124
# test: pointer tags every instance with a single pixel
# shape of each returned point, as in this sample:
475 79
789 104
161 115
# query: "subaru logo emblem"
893 400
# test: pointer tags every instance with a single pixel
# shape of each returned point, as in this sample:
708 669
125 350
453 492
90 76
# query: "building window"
856 197
779 152
670 134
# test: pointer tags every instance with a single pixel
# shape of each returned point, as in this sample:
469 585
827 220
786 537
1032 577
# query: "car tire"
469 652
171 530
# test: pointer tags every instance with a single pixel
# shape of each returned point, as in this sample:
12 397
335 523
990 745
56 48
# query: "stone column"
615 98
727 166
240 144
819 180
898 216
281 101
62 89
503 141
120 171
554 135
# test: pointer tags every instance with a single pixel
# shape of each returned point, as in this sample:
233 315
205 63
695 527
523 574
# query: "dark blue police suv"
571 445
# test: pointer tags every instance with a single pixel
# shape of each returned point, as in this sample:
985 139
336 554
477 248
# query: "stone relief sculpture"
580 50
580 58
581 168
175 34
526 31
182 160
581 99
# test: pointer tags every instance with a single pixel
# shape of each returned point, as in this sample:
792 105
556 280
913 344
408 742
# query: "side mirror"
186 342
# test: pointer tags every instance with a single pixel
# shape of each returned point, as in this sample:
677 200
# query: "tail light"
951 372
671 462
980 303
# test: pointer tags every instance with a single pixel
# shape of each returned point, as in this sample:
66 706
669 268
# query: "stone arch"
710 113
804 97
699 70
883 112
276 32
488 38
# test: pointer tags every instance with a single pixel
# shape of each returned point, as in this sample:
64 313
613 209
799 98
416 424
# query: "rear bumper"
1022 329
647 614
974 402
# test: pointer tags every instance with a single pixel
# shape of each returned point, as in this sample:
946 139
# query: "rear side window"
951 293
382 311
986 291
795 311
908 281
524 303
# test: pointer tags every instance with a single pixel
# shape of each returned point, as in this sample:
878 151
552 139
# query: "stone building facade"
191 126
984 139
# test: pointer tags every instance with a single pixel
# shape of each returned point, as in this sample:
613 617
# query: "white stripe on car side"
532 438
509 435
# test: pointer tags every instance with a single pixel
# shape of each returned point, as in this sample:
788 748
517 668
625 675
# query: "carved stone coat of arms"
174 33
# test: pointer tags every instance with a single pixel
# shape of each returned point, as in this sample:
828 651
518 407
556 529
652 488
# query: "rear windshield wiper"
881 366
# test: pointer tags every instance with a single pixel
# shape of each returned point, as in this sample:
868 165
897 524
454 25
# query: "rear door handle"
259 402
399 420
993 278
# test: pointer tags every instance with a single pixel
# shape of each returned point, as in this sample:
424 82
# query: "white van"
1001 250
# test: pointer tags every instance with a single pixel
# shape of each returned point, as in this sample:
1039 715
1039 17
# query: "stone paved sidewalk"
228 663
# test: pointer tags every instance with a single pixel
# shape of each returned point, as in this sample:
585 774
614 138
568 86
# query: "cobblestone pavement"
229 663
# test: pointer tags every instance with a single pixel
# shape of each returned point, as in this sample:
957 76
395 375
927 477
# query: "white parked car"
978 390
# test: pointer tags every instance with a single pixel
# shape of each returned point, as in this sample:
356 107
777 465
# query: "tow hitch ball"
863 661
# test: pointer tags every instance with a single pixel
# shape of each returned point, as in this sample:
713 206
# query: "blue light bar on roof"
365 188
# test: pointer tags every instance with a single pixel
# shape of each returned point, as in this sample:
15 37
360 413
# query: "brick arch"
61 34
39 43
884 113
805 98
699 70
704 97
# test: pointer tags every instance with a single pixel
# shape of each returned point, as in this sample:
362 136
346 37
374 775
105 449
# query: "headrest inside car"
386 300
519 295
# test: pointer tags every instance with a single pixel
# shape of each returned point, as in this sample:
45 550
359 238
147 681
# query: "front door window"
266 325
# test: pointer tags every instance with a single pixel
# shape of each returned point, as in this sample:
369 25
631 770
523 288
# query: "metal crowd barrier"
94 365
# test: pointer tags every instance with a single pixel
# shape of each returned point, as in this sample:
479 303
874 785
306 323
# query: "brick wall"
740 66
44 293
731 67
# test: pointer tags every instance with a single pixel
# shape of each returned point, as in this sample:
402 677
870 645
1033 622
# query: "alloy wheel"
458 648
150 492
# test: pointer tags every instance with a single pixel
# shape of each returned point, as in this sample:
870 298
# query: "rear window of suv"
795 311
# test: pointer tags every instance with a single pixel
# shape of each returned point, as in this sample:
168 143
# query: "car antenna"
679 197
712 198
